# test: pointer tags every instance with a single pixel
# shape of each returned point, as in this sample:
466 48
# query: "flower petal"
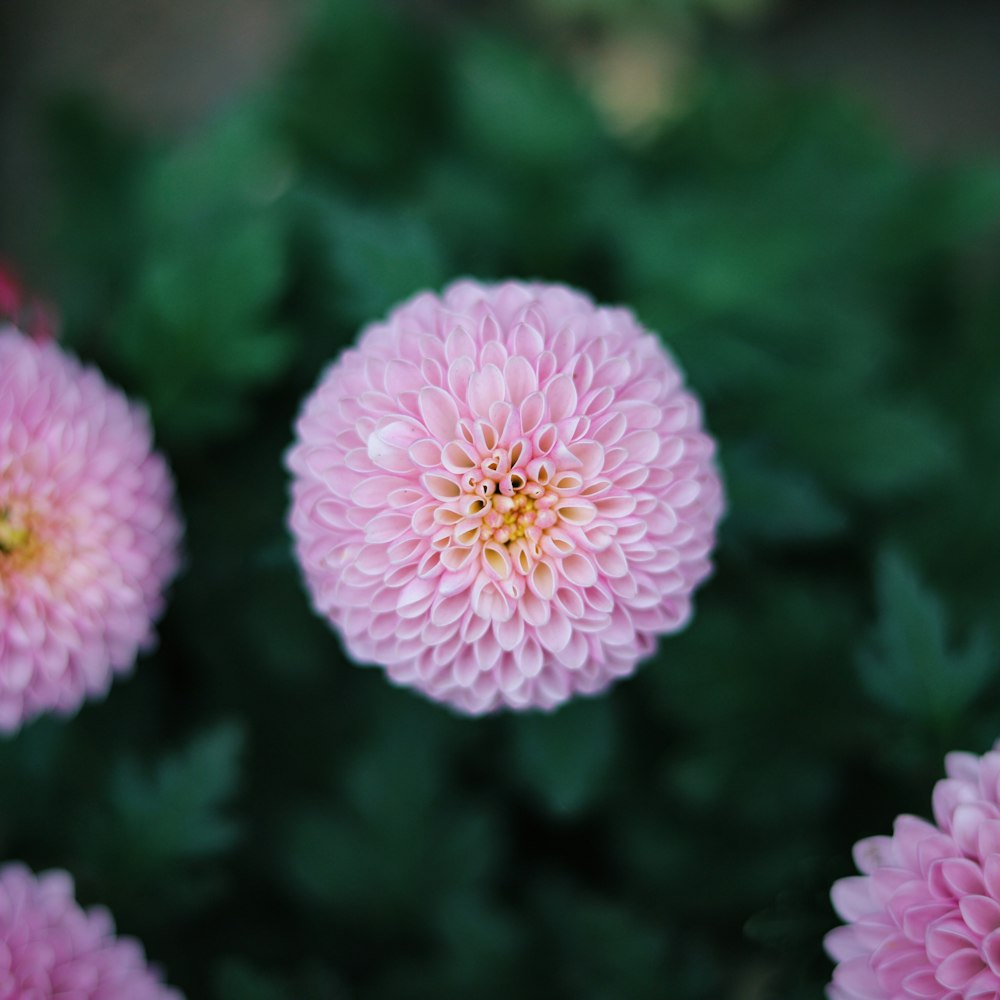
439 413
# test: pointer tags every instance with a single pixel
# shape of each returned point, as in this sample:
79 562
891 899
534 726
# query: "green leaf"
234 168
518 111
600 948
909 666
956 203
236 980
369 260
875 447
565 758
392 833
362 90
197 330
196 334
98 167
160 827
774 502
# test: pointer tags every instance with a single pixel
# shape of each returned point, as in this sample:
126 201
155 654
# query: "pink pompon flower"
923 921
51 949
503 495
88 534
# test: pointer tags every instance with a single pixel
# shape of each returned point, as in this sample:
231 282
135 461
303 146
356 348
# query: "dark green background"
276 824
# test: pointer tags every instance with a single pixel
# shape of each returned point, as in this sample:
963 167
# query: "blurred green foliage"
667 11
276 823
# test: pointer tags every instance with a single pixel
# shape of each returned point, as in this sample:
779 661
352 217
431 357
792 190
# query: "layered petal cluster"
88 534
504 495
924 917
51 948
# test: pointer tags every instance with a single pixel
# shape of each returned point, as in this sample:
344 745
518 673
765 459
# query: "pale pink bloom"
88 534
504 495
51 948
924 918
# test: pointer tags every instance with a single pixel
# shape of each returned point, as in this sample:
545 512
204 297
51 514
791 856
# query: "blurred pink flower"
88 535
924 918
51 948
504 495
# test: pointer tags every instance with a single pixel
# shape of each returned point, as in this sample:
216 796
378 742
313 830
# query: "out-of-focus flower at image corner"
503 496
923 920
51 947
639 61
89 537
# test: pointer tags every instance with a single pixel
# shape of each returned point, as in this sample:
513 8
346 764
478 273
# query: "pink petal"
425 453
520 379
917 919
967 821
530 657
439 413
579 569
981 913
956 876
962 766
641 446
922 984
991 875
851 897
842 944
946 937
555 634
856 977
527 341
510 633
374 491
575 653
894 960
442 488
459 374
486 387
542 580
958 968
991 951
532 412
988 839
561 396
449 609
460 344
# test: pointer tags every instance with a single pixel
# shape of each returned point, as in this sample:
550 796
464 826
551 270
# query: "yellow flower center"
18 543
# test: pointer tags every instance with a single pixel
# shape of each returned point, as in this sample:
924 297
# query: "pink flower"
504 495
924 918
51 948
88 536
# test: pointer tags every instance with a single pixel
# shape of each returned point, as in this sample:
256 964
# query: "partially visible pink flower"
88 534
924 918
51 949
504 495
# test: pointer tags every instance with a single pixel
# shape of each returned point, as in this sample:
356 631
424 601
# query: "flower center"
18 543
12 536
510 510
517 518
